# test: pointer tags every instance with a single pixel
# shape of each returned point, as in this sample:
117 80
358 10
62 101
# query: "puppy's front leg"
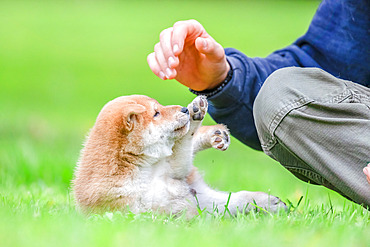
215 136
182 158
197 109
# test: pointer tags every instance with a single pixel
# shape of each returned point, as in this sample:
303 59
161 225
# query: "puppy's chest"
154 186
160 181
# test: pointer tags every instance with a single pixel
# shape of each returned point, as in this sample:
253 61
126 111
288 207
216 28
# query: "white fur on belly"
153 188
157 141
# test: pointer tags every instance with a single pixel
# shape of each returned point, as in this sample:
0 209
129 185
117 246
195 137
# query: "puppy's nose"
185 110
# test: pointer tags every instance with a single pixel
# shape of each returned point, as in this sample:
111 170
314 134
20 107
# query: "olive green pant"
318 127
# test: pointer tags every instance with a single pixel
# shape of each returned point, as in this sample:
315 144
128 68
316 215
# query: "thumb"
210 48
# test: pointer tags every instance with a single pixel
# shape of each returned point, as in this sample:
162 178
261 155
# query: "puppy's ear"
130 113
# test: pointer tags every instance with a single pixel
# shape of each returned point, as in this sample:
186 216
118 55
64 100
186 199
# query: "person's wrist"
218 88
218 81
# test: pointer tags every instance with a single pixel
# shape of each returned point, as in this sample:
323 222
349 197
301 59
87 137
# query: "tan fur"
136 158
108 157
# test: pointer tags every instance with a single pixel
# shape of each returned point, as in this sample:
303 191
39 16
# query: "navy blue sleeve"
336 41
233 106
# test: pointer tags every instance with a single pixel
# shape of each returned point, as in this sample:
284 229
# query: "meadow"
61 61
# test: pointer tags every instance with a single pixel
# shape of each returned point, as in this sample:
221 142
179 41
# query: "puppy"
139 156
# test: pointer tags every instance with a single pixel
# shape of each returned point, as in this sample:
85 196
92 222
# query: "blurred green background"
61 61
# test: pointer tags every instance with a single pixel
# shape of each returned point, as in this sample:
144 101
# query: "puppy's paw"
220 138
198 108
262 200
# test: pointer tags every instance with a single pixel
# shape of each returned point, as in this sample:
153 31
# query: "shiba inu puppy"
140 154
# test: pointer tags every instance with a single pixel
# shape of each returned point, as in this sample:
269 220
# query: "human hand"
367 172
187 53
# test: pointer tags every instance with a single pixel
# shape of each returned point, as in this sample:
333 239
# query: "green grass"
61 61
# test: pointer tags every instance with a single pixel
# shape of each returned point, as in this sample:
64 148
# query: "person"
306 105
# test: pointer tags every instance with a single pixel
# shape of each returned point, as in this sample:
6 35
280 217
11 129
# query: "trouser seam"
313 176
300 102
279 116
298 158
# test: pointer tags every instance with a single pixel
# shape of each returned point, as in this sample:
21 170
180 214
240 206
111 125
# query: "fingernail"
162 75
205 44
175 48
171 61
366 171
168 72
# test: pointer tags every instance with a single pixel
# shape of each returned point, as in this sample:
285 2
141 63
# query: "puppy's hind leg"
242 201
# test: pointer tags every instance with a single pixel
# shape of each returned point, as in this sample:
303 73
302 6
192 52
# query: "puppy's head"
141 126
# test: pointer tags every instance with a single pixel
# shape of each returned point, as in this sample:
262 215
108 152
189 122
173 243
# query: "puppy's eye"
157 113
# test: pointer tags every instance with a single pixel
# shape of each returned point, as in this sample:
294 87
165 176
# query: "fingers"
162 61
154 66
165 59
367 172
210 48
166 45
192 31
155 62
182 30
169 60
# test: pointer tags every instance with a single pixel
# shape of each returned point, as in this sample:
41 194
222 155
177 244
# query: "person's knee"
294 85
279 81
284 90
271 97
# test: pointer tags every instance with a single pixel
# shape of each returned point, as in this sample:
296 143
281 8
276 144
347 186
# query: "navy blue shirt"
337 41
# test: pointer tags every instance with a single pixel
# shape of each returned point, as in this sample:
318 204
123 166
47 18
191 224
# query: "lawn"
61 61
